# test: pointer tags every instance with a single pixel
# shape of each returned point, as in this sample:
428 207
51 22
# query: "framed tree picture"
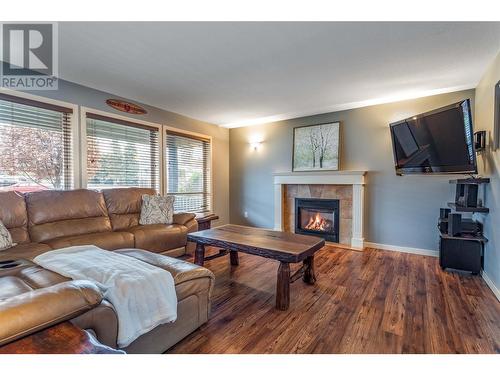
316 147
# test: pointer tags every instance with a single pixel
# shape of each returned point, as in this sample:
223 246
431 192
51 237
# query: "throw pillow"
5 238
157 209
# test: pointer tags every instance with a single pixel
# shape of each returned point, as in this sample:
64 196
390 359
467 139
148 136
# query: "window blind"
121 153
188 172
35 145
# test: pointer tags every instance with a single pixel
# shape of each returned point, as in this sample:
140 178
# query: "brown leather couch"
47 220
32 297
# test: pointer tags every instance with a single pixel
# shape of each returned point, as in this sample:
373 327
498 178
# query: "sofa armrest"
189 221
33 311
192 226
182 218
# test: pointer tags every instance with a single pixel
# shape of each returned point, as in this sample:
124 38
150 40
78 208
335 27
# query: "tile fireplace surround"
347 186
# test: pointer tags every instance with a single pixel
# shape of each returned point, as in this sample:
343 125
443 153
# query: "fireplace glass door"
317 220
318 217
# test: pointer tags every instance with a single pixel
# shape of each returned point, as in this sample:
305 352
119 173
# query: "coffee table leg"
309 276
233 256
283 287
199 254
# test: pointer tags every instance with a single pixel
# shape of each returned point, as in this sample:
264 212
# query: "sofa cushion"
124 205
159 237
14 216
54 214
24 251
37 277
11 286
107 241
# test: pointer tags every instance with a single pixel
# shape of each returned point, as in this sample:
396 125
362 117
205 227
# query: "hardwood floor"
363 302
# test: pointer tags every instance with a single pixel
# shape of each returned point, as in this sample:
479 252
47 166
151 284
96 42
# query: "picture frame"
316 147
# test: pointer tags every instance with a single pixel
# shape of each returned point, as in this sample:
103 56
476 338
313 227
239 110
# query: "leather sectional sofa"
47 220
32 298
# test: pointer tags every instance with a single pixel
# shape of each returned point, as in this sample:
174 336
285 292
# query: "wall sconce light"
255 141
255 145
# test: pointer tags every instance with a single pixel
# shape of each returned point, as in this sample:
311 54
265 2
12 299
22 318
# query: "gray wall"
489 165
95 99
399 210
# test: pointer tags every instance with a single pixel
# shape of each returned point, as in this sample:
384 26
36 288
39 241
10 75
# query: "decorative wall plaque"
127 107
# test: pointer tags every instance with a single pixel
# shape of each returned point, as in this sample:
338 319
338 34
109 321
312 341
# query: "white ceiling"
235 74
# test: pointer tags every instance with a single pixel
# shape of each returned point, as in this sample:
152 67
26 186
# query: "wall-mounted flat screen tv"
439 141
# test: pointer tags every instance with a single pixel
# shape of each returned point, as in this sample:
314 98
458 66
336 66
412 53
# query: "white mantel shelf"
320 178
354 178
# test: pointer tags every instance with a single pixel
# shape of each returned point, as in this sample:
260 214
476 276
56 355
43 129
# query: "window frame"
74 120
83 141
188 133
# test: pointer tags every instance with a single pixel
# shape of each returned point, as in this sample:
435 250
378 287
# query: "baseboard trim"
491 285
403 249
342 246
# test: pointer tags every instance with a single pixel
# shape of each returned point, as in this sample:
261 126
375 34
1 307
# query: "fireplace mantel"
354 178
321 178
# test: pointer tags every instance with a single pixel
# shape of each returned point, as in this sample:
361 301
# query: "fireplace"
317 217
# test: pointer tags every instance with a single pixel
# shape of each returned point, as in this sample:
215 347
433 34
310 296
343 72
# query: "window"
188 171
121 153
35 145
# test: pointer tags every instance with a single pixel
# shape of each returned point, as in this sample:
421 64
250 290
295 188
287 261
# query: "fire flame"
317 222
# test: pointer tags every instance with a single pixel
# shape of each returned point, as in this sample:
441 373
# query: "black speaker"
444 212
466 195
454 224
443 225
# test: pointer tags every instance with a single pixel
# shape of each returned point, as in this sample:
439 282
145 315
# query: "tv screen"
439 141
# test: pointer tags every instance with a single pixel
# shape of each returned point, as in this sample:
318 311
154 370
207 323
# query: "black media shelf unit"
460 208
471 181
465 250
467 197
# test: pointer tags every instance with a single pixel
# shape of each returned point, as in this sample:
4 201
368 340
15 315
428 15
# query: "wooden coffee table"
282 246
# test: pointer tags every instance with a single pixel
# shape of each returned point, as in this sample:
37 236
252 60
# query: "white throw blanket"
142 295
